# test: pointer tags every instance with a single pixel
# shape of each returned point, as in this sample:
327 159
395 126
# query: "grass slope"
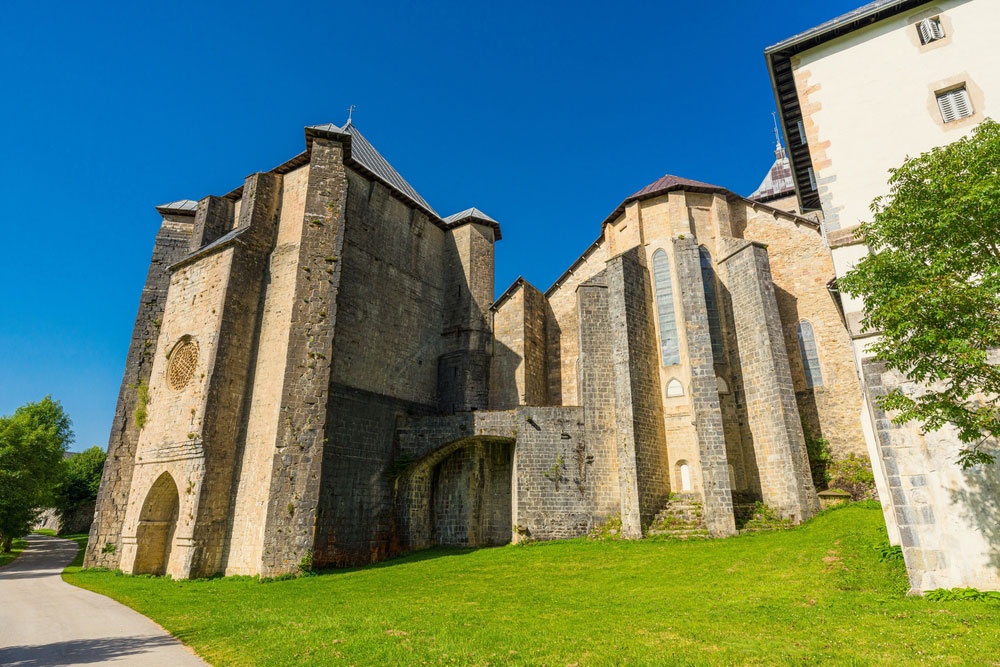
815 595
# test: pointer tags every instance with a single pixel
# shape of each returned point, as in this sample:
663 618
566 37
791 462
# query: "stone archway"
157 522
458 495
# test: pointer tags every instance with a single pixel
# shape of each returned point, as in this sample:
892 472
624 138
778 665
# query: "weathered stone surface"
344 388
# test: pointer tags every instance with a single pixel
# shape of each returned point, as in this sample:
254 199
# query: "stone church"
319 374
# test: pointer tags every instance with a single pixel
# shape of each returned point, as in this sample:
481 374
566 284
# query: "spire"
779 150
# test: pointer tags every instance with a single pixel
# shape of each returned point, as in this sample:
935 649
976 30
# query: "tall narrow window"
810 357
669 345
711 304
954 104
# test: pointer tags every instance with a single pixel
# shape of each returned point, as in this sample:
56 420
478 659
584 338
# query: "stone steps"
681 519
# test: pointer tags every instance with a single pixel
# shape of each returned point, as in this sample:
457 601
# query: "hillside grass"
821 594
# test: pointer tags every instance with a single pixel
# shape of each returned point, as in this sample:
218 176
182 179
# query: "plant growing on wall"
931 288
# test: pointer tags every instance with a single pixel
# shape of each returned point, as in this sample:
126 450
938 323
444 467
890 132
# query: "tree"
81 479
32 443
931 287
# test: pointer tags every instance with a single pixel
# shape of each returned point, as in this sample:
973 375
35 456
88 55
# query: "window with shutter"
669 343
930 30
712 304
810 355
954 104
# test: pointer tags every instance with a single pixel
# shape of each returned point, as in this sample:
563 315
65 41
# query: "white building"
856 96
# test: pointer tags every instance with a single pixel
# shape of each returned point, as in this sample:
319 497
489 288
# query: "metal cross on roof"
350 112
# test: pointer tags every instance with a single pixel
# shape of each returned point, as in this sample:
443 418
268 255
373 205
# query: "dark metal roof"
469 213
362 153
181 206
786 97
662 186
473 214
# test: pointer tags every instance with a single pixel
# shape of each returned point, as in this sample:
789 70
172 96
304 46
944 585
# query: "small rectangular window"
954 104
930 30
802 132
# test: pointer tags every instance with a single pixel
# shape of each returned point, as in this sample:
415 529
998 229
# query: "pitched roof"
469 213
364 154
778 182
662 186
182 206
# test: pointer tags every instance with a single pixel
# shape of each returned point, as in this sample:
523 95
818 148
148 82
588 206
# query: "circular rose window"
180 367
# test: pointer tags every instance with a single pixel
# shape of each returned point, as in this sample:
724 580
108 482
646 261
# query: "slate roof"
778 182
365 154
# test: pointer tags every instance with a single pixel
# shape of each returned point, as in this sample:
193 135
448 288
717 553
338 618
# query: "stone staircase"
682 519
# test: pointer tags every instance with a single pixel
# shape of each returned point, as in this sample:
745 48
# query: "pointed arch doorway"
157 522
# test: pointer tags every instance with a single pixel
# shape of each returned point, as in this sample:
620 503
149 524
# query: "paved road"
45 621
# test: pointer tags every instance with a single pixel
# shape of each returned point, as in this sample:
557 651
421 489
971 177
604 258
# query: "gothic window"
711 303
810 356
684 473
669 344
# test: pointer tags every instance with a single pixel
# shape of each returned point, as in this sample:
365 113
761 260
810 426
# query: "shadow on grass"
83 651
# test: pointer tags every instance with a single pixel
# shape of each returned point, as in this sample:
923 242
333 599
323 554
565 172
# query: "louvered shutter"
930 30
955 104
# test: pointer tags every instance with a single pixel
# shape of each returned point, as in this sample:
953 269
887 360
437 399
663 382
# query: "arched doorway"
157 521
471 495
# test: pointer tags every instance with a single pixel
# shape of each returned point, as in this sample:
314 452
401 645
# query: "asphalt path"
45 621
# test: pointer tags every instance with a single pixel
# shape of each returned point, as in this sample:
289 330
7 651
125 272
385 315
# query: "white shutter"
930 30
955 104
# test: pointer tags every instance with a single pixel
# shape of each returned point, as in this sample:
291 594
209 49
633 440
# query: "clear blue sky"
543 116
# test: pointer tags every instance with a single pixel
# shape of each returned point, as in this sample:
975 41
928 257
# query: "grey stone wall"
464 367
555 492
644 470
231 369
213 219
172 243
717 486
596 387
289 537
779 445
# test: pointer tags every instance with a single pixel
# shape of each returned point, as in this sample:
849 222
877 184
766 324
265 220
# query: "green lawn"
814 595
16 547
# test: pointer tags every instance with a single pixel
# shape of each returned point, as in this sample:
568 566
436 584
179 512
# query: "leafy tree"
32 443
80 480
931 287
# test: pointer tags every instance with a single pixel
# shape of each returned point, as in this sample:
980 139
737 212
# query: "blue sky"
545 116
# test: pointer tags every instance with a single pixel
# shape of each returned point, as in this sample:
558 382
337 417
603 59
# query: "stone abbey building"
319 373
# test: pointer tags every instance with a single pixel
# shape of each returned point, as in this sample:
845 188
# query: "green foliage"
32 443
965 594
818 450
854 475
80 480
888 553
931 287
141 404
611 529
764 518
